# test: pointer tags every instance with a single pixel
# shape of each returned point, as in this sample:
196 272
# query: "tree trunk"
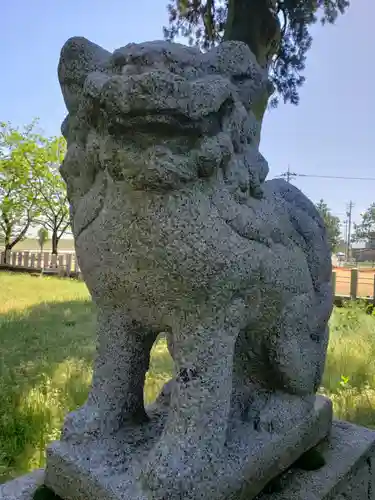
7 243
9 226
10 244
252 22
5 259
55 242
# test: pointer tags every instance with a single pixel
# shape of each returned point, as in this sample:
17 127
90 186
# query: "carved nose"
95 83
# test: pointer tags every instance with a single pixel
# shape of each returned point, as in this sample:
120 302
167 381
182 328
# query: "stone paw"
263 424
87 421
265 420
162 479
172 474
281 413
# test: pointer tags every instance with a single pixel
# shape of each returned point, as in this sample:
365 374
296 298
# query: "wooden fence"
347 283
43 262
354 283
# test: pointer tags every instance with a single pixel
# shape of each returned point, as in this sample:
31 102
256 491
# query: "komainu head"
159 115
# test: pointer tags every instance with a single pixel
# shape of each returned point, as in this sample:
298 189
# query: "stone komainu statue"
178 231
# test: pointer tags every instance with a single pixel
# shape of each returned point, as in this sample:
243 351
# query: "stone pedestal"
347 475
107 469
22 488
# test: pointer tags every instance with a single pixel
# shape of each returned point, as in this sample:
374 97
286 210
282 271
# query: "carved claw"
87 421
84 422
171 472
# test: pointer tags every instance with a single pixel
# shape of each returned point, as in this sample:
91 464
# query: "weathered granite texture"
177 230
22 488
107 467
347 475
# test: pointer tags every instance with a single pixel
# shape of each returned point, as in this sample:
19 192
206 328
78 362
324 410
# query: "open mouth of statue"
160 103
161 123
156 123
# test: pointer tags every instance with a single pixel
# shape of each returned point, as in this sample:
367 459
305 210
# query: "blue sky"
331 132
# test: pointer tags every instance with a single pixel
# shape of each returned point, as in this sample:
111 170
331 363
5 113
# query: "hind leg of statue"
297 352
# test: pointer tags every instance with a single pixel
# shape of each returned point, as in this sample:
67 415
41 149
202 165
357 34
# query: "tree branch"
46 199
64 229
21 234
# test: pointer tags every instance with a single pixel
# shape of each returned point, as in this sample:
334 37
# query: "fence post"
60 260
26 256
68 264
19 259
353 283
39 260
45 259
53 260
373 291
334 284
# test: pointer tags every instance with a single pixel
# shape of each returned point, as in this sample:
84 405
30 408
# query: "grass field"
47 345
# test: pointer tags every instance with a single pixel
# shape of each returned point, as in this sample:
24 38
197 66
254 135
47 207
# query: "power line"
338 177
288 175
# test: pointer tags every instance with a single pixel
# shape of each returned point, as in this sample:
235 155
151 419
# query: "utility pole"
346 233
349 214
288 174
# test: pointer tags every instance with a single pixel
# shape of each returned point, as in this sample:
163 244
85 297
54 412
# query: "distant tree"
365 230
52 197
31 188
42 237
277 32
341 246
20 154
332 224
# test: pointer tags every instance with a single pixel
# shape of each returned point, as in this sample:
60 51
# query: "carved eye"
118 58
240 78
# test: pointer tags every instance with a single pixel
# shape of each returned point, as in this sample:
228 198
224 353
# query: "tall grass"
47 346
349 377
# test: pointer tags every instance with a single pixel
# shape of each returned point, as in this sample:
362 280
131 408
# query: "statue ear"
78 58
